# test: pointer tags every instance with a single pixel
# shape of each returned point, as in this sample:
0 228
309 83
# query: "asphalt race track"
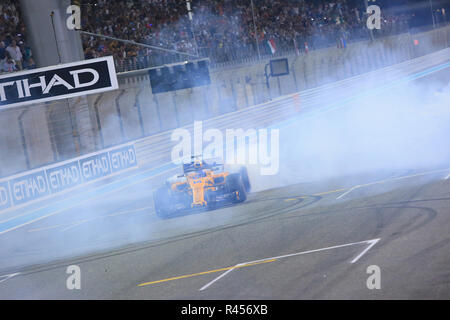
311 240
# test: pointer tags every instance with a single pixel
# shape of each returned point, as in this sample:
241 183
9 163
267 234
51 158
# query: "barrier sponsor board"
37 184
29 187
58 82
95 167
5 199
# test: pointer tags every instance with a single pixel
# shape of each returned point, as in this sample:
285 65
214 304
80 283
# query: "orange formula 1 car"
201 185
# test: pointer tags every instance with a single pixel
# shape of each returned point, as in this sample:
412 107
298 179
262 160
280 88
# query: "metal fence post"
119 114
97 118
23 138
137 104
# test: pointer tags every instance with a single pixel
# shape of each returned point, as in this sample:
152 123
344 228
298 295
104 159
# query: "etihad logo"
58 82
24 87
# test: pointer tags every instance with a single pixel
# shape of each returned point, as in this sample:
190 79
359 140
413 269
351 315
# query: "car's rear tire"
210 198
245 179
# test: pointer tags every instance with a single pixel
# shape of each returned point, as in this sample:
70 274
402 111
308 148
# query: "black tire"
236 186
161 200
245 179
210 198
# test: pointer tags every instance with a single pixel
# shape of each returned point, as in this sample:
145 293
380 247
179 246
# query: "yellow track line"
328 192
205 272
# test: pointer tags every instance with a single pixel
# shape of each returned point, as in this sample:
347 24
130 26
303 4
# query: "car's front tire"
211 201
236 187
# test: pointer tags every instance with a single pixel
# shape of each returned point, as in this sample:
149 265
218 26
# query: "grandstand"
224 31
15 54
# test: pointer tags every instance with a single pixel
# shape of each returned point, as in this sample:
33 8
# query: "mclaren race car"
201 185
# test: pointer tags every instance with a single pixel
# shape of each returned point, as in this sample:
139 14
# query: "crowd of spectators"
223 30
15 55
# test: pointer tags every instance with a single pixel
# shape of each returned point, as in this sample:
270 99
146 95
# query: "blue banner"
123 158
64 177
5 200
95 167
54 179
29 187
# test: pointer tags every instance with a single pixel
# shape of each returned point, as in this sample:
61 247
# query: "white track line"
395 179
219 277
370 242
75 224
46 228
347 192
8 276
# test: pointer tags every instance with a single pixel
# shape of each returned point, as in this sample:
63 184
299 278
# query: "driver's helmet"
197 164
